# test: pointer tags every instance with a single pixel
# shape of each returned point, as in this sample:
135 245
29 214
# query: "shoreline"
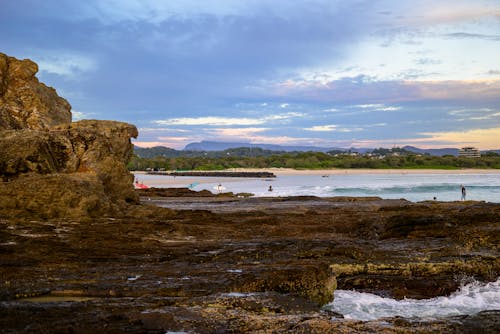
350 171
168 181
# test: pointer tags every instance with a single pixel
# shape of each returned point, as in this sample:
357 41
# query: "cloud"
447 12
162 130
227 121
237 132
167 141
478 36
376 107
371 106
333 128
477 114
485 117
285 116
389 91
428 61
202 68
64 64
482 138
150 143
77 115
389 108
469 111
210 120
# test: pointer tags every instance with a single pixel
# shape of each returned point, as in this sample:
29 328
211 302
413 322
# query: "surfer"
463 192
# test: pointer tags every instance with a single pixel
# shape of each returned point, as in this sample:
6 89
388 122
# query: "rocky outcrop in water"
218 174
244 265
51 167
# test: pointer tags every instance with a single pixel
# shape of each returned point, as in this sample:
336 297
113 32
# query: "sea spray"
469 299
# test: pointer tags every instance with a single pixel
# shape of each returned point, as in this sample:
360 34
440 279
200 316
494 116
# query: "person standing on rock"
463 192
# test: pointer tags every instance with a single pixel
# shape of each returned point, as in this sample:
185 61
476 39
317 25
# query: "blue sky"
314 72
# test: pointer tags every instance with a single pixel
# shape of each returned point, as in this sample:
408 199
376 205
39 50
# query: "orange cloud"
480 138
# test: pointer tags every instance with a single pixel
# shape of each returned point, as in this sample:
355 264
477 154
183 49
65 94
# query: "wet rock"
172 192
315 282
240 271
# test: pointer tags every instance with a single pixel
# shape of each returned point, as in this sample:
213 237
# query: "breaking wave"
469 299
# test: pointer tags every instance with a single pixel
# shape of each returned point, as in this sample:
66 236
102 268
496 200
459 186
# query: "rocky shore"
82 252
236 265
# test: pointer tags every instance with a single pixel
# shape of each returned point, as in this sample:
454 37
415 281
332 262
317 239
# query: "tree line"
312 160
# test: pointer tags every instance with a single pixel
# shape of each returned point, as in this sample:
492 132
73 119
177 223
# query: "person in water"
270 188
463 192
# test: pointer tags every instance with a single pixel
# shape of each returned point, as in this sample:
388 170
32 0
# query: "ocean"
410 186
471 298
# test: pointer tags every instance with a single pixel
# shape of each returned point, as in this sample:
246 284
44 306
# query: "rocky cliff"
24 101
52 167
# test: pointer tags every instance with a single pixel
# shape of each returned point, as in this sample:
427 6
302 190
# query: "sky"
326 73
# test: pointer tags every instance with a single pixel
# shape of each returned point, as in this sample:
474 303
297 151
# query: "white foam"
469 299
414 187
238 294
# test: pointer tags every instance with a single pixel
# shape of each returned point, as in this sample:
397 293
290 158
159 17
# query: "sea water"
413 187
469 299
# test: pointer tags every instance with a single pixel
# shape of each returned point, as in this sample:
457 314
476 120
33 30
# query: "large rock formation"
24 101
51 167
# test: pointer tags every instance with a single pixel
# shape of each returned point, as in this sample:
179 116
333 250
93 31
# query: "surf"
470 299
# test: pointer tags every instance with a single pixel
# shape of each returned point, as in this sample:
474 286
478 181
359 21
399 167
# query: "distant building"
469 152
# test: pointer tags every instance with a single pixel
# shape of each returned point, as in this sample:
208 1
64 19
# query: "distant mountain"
493 151
221 146
432 151
157 151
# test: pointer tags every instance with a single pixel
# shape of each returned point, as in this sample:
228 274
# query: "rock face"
51 167
24 101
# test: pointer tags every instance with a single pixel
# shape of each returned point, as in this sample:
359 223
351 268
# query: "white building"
469 152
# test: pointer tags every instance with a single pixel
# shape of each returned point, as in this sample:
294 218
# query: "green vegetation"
258 158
